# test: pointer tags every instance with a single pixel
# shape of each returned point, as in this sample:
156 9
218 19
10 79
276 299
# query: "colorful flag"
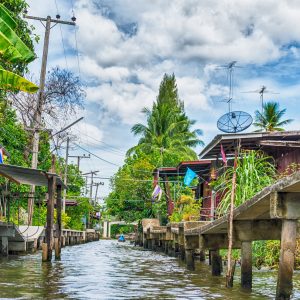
157 192
1 156
223 155
189 176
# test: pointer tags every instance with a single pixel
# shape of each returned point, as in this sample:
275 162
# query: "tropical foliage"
168 129
13 51
271 118
254 171
186 209
166 139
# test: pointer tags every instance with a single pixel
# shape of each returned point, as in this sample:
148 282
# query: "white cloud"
190 38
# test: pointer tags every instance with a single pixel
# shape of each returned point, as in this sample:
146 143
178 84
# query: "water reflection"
108 270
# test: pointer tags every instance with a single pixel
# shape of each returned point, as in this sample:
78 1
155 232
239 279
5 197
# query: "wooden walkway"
272 214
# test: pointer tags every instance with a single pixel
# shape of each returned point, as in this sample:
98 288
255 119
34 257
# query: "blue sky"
126 46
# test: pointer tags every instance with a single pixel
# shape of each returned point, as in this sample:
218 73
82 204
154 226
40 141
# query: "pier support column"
176 249
246 265
153 245
216 263
181 252
4 246
202 255
171 250
286 260
189 259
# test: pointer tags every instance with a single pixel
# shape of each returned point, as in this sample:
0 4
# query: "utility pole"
97 185
79 158
91 192
39 108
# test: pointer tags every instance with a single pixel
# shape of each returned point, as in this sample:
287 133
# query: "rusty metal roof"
198 166
29 176
249 141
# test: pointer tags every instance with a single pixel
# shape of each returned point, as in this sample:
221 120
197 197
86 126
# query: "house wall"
284 159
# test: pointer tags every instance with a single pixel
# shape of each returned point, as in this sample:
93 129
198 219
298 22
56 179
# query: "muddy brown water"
108 270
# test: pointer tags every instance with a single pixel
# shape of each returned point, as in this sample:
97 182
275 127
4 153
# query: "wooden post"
50 216
216 263
44 252
189 259
58 222
286 261
246 265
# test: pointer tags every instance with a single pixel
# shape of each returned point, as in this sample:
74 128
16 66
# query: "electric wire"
62 39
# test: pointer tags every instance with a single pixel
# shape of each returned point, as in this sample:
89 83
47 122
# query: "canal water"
108 270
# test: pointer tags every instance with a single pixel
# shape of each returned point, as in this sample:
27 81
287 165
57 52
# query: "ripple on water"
108 270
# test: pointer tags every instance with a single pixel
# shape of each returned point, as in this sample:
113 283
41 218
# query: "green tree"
168 129
165 140
271 118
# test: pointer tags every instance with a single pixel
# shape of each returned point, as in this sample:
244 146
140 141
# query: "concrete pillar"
166 247
109 229
4 247
153 245
286 260
189 259
176 249
182 252
171 251
216 263
246 265
202 255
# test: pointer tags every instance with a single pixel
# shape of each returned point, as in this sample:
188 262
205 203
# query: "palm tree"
270 118
168 128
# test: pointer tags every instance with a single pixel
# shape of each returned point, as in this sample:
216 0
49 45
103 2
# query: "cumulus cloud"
126 46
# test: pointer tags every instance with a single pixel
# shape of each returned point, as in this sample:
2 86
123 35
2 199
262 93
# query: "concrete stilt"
216 263
182 252
4 247
176 249
153 245
202 255
246 265
189 259
171 250
286 261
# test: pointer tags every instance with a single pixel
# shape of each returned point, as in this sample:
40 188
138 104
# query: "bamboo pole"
230 263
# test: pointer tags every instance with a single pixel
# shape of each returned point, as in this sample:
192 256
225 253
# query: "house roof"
198 166
251 141
29 176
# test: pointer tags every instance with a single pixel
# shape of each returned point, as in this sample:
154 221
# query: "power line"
61 34
95 155
110 146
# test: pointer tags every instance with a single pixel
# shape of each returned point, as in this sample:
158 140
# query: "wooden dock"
25 239
272 214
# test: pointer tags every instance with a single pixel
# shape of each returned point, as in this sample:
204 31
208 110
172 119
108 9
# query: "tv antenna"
233 121
261 91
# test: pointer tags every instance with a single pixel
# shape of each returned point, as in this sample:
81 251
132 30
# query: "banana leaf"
16 42
5 15
8 51
10 81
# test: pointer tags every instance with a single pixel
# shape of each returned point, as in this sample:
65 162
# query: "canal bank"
108 270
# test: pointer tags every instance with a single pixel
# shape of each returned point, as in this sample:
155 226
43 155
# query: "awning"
29 176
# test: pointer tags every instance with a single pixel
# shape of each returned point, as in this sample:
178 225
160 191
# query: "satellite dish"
234 121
